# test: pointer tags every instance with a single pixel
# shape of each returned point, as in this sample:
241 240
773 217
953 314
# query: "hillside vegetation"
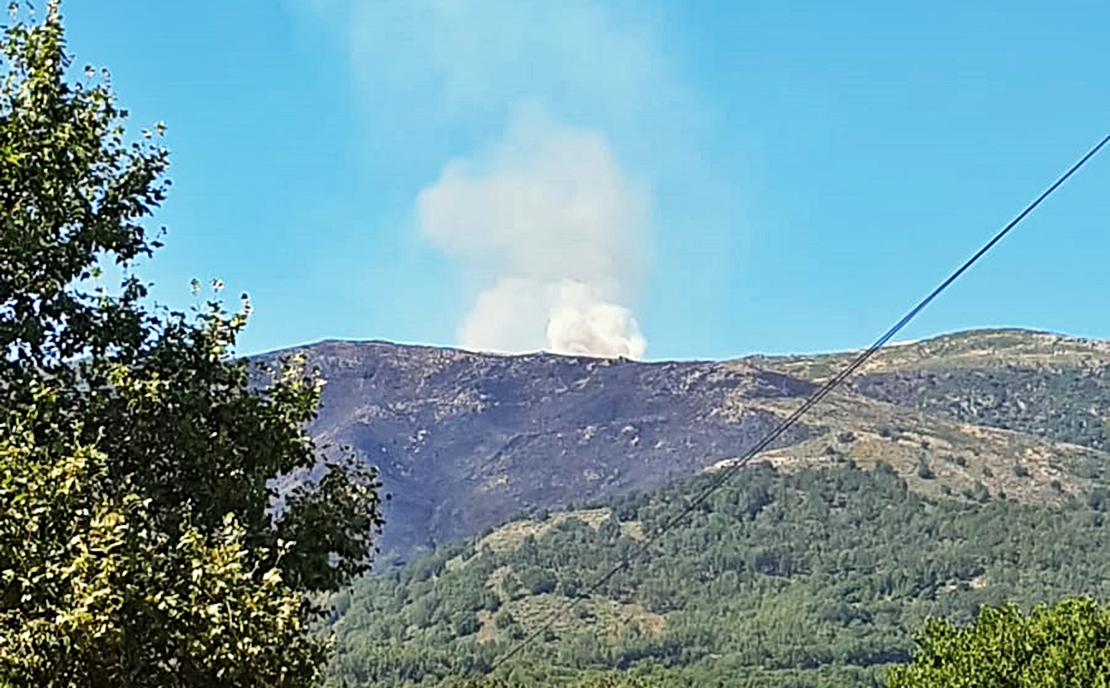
1038 383
811 577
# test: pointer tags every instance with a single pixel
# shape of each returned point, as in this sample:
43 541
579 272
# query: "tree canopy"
1066 645
813 577
142 540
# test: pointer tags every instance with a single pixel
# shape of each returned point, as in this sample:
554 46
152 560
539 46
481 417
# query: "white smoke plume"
555 230
547 225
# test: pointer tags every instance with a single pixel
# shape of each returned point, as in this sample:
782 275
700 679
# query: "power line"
725 474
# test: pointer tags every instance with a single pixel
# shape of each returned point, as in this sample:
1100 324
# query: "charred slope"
465 441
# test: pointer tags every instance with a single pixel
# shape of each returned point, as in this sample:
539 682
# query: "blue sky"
713 179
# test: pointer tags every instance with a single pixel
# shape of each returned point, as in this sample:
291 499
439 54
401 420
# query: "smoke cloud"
544 219
554 229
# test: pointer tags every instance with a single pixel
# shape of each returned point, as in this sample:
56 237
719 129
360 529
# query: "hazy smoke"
549 223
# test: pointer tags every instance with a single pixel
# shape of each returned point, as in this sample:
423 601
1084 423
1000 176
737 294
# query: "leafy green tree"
1066 645
142 539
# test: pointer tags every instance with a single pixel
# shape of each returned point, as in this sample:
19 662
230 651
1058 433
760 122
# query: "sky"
653 178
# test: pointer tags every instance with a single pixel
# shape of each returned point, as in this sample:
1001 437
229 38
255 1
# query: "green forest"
813 578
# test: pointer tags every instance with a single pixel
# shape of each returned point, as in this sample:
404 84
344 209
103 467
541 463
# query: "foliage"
97 592
809 578
1067 644
138 540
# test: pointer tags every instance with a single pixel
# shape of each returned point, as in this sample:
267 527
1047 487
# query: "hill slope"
805 578
467 440
1039 383
464 441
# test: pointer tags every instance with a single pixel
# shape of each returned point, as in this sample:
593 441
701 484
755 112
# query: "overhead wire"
723 475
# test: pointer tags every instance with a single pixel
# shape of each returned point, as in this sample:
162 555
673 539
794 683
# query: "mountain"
959 471
465 441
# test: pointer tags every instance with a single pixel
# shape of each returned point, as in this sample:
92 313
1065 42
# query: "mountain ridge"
465 440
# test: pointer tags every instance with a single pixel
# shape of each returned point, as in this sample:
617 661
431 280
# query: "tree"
143 541
1066 645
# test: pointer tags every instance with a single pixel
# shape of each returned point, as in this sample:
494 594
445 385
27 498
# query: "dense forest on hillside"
809 578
